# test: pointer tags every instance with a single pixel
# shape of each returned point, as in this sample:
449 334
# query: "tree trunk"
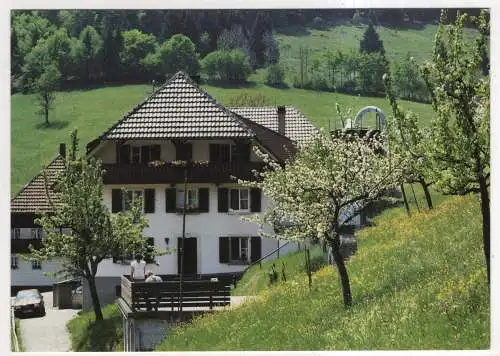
344 277
425 188
405 200
46 109
95 298
485 211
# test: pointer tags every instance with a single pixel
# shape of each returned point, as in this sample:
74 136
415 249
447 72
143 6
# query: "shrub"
275 76
231 66
318 23
246 99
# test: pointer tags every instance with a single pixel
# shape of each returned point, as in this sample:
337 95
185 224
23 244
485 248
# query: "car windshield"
27 294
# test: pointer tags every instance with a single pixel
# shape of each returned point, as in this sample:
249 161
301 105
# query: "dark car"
29 301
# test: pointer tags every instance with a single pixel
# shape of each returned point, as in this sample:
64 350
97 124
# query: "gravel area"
47 333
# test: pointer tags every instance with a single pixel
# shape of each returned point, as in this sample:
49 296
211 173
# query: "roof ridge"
36 176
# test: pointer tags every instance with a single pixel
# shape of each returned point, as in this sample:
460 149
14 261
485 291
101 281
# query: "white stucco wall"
206 227
25 275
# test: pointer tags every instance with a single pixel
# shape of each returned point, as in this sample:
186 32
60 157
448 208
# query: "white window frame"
15 233
193 201
14 262
36 233
135 193
247 199
241 249
36 265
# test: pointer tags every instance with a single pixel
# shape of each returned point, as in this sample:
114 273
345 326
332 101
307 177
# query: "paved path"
47 333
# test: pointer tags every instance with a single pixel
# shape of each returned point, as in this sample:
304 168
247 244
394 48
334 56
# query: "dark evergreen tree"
371 42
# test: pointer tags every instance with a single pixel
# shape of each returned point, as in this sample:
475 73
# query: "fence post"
308 264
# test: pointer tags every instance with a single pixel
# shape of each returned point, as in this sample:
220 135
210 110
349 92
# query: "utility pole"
181 250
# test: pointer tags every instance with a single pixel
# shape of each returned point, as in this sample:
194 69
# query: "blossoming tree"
329 181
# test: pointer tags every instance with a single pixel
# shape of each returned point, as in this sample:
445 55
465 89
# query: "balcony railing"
198 292
212 172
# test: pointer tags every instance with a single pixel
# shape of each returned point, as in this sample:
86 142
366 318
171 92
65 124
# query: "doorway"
190 256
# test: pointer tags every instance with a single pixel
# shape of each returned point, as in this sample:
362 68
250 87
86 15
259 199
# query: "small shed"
63 293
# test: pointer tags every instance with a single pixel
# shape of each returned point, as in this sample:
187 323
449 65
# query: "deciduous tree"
45 88
81 230
460 93
319 193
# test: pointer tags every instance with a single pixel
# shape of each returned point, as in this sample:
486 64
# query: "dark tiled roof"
178 109
33 198
297 126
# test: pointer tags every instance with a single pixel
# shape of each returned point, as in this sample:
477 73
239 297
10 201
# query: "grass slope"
87 335
256 277
417 283
93 111
397 42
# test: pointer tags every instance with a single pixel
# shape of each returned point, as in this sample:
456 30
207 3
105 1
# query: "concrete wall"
105 289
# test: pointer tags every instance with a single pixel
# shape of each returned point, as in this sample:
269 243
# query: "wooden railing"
206 293
215 172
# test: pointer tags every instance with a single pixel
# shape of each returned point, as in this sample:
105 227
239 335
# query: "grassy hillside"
93 111
86 335
417 283
397 42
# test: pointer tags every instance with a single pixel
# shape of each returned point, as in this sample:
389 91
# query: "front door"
190 256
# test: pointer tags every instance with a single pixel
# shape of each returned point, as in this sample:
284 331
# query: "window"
239 200
220 152
239 249
135 154
13 262
15 233
36 233
183 151
36 265
130 196
191 202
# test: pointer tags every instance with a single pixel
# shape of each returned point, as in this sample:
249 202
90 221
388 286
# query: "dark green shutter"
234 248
225 155
223 197
149 256
184 152
155 153
149 201
170 197
214 152
235 199
203 201
145 154
124 156
116 200
255 200
255 248
224 249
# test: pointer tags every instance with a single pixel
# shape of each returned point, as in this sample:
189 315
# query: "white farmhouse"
180 122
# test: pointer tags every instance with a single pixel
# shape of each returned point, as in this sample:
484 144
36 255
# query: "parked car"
29 301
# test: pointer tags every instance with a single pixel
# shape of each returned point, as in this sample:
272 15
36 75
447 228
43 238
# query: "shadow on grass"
378 207
53 125
101 336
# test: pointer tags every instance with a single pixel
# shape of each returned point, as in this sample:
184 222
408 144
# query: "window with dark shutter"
155 153
203 200
235 199
116 200
145 154
235 249
224 249
223 197
149 201
184 152
240 152
255 248
124 154
255 200
214 152
170 200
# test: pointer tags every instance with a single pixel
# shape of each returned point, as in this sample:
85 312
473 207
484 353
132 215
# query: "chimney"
62 149
281 119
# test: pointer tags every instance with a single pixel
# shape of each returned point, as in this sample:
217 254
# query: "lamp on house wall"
167 240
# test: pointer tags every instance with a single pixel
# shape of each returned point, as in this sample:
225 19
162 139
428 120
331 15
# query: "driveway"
47 333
